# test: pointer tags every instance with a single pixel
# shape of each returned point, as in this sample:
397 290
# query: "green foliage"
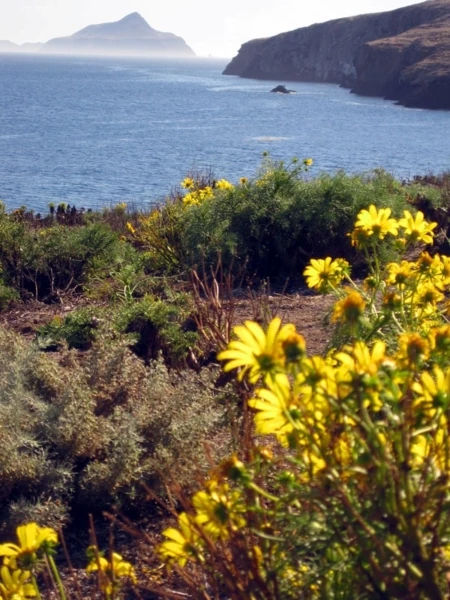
7 295
281 220
44 262
86 431
159 326
78 330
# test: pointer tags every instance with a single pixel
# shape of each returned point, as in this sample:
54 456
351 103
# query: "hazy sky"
208 26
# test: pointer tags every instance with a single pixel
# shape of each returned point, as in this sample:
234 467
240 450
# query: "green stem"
57 577
36 588
253 486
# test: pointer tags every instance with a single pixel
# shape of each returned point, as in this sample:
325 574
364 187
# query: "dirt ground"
305 310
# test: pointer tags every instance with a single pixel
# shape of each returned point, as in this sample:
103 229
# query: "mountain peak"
133 17
130 35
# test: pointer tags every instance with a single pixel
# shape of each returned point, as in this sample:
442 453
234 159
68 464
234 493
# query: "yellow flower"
218 510
430 448
445 269
416 228
274 405
313 465
377 222
434 389
400 274
243 180
440 339
110 572
427 295
362 360
308 162
182 544
392 301
188 183
191 199
318 376
14 585
256 352
413 349
206 193
196 197
223 184
130 228
350 309
321 274
121 207
429 266
31 539
359 237
294 347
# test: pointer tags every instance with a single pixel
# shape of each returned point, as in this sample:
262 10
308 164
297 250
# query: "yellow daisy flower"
223 184
15 585
31 538
377 222
274 404
218 510
111 571
188 183
361 360
413 349
416 228
321 274
400 274
181 544
256 353
349 309
440 339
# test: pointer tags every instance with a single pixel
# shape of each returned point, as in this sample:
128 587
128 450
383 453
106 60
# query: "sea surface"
97 131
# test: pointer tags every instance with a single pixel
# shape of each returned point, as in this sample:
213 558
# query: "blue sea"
98 131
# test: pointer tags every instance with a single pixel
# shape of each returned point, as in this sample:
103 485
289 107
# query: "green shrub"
45 262
85 431
7 295
158 326
78 329
281 220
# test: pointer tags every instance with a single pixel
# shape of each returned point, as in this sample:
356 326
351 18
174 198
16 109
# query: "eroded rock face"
402 54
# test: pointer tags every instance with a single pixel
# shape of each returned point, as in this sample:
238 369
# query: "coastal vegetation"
210 439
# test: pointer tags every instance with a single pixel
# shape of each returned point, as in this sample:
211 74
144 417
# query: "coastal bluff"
401 55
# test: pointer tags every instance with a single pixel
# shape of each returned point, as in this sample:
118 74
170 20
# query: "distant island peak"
129 36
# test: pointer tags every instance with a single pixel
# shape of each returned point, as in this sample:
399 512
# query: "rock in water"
403 55
281 89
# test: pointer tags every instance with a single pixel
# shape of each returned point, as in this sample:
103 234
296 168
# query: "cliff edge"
403 55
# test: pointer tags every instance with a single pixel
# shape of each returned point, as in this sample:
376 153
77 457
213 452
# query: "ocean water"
97 131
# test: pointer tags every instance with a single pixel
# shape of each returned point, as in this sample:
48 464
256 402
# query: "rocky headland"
402 55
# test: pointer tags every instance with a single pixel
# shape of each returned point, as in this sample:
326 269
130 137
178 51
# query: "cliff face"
402 54
132 35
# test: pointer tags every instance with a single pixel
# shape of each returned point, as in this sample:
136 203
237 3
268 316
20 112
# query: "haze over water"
97 131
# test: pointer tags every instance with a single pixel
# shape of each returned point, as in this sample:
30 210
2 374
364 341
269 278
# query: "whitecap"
270 138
